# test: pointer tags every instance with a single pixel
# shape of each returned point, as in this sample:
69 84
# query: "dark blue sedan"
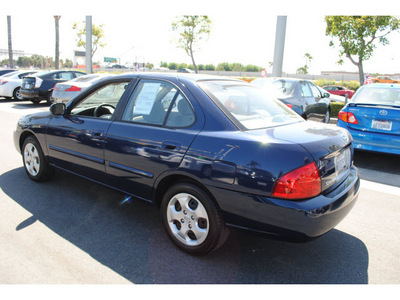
372 117
211 152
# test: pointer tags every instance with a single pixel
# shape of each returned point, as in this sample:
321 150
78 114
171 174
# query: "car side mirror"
57 109
326 95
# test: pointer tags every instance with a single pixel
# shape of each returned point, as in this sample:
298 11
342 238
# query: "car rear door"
151 137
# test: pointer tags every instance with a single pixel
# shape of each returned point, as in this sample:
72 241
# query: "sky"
242 31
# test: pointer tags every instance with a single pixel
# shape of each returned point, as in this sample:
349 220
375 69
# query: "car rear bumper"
29 94
291 219
371 141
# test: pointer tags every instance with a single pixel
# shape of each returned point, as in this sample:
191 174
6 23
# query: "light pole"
279 46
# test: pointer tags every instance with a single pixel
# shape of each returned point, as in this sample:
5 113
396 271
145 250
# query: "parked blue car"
211 152
372 116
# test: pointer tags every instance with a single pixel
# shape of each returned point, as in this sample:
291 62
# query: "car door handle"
167 145
97 133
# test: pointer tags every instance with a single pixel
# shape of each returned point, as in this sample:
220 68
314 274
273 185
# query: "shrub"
335 108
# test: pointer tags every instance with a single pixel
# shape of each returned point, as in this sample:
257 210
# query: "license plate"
342 161
382 125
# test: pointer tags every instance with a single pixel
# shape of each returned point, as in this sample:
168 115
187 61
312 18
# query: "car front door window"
102 102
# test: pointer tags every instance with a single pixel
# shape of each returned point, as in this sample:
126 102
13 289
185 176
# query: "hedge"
351 85
335 108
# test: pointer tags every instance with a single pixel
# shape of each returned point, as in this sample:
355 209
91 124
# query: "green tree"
357 34
97 36
192 30
172 66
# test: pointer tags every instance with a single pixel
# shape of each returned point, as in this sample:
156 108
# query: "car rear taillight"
290 105
73 89
3 82
301 183
347 117
38 82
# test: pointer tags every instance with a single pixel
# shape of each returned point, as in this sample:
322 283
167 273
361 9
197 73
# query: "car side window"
159 103
305 90
102 102
315 91
66 76
77 74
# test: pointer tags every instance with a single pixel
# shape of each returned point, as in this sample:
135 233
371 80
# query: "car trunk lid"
376 118
330 146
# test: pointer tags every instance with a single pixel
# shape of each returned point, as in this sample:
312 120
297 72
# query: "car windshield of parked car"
278 88
248 106
85 78
377 95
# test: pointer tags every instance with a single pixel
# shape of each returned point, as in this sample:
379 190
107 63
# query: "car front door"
308 101
151 137
76 139
319 107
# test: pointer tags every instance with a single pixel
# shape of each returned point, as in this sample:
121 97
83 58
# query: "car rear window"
377 95
247 106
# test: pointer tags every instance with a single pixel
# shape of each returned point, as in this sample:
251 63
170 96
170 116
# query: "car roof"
169 76
382 85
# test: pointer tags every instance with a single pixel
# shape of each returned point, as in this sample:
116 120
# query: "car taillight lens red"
3 82
301 183
73 89
290 105
347 117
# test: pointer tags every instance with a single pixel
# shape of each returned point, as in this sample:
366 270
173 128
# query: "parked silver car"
65 91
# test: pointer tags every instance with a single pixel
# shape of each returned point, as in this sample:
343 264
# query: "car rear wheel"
35 163
17 94
192 220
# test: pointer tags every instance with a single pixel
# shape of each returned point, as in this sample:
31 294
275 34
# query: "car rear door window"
305 90
159 103
315 91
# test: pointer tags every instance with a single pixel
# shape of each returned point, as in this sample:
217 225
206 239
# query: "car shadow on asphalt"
372 164
130 240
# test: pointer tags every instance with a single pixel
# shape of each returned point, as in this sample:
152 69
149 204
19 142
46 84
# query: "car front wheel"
192 220
35 163
327 116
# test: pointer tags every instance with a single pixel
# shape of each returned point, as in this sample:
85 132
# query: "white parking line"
379 187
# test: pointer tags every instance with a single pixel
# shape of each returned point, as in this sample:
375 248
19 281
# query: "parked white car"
10 84
65 91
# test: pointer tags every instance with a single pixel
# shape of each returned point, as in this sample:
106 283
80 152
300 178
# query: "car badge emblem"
383 112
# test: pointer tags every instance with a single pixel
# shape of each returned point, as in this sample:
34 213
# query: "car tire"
192 220
49 98
17 95
35 163
327 116
36 101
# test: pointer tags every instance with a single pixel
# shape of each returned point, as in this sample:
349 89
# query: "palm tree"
57 19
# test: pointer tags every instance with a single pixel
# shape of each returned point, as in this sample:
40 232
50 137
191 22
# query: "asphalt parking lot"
71 231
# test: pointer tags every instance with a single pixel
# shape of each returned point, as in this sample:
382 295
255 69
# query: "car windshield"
248 106
279 88
10 74
86 78
377 95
